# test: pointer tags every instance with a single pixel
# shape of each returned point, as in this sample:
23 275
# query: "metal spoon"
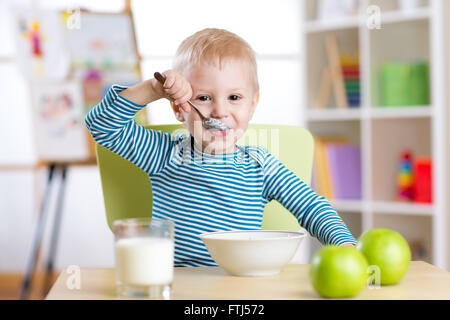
209 123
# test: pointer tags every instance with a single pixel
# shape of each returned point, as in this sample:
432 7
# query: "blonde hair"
215 46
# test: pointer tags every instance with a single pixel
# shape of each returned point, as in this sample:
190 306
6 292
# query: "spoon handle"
161 79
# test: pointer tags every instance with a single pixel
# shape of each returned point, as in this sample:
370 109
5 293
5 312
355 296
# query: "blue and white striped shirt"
202 192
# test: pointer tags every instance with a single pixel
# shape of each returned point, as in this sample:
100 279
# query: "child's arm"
111 122
176 88
313 212
144 92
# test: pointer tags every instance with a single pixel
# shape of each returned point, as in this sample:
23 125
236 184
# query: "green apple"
338 272
388 250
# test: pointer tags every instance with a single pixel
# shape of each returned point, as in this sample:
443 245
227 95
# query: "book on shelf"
342 74
337 169
350 71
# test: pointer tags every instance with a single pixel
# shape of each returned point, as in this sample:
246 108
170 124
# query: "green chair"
127 190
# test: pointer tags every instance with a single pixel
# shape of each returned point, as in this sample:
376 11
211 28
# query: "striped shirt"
202 192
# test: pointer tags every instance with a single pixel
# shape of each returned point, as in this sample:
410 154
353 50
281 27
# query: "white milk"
144 261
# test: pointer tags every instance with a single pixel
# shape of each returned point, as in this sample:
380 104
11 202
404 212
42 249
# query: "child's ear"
255 101
177 111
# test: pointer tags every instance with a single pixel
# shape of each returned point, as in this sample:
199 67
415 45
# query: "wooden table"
423 281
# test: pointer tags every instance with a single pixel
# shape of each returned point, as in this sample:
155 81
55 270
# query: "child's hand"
176 88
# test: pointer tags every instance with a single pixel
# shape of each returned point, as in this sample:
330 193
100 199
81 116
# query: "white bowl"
252 253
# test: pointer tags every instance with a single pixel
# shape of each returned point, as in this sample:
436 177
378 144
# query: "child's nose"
219 111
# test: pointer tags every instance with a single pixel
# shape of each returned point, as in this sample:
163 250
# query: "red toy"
405 178
423 182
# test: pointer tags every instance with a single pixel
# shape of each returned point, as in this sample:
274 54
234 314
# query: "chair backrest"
127 190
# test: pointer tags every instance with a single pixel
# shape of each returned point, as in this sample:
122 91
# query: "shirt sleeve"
313 212
111 124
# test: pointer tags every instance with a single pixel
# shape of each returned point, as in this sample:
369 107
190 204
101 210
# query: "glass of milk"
144 253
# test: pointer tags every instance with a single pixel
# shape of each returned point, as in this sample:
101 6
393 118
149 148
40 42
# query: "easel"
332 75
53 169
33 258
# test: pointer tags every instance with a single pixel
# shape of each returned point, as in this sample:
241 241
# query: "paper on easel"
113 55
41 45
94 46
58 119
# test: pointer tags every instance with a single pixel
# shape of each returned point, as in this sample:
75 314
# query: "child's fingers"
183 96
178 95
185 106
186 93
176 90
170 79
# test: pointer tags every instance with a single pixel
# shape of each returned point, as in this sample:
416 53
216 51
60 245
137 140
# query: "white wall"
85 238
271 27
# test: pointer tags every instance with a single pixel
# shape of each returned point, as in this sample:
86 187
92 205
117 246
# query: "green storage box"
404 84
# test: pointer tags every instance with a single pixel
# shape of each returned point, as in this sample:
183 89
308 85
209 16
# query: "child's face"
226 94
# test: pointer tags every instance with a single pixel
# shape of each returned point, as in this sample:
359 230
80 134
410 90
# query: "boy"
204 181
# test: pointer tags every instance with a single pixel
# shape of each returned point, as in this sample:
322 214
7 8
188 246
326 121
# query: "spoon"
209 123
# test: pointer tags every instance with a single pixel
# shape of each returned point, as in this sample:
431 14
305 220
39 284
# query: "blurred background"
368 78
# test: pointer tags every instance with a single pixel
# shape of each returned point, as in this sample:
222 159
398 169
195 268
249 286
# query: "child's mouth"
218 133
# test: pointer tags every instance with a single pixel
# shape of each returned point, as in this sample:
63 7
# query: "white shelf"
383 207
387 17
402 112
404 16
331 25
392 207
347 205
404 36
371 113
334 114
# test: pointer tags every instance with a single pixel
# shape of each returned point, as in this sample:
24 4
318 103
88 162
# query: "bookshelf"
384 132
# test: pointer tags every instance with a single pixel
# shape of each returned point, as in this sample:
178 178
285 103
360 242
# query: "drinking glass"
144 255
